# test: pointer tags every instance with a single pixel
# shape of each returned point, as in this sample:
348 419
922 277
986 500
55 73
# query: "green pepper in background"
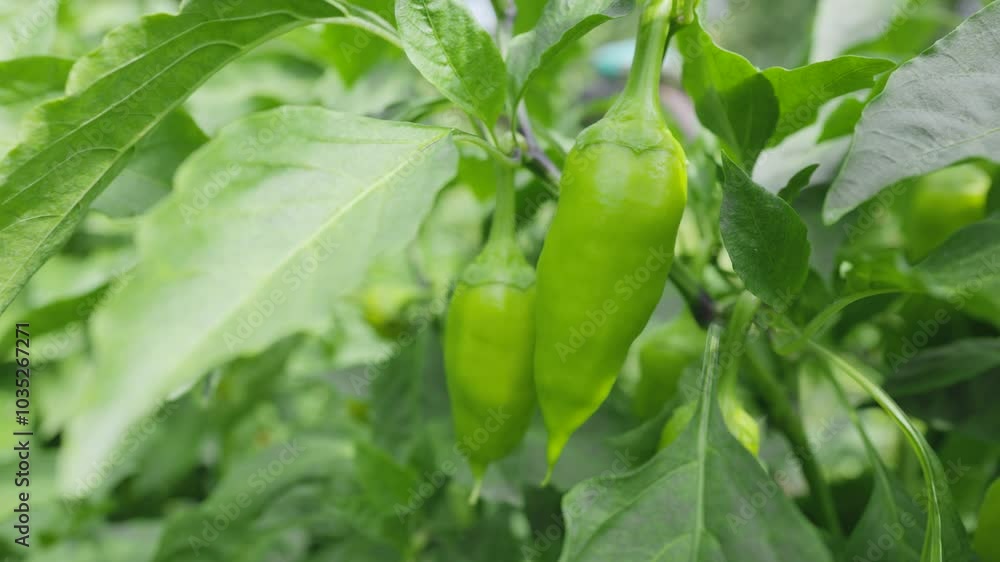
986 541
605 261
740 423
489 338
663 357
941 203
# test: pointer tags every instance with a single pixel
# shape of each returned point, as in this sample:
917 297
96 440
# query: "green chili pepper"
987 538
606 257
740 423
663 357
489 338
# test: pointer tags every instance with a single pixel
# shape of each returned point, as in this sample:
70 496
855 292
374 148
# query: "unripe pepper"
663 358
607 254
489 338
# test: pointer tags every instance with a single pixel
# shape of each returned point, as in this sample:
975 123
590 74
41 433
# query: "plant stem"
494 152
535 152
504 216
643 85
734 341
786 419
698 301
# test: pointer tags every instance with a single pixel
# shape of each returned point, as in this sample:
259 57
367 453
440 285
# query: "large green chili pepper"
662 360
605 260
489 337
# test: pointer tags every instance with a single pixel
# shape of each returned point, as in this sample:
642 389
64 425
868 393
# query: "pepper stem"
504 216
650 46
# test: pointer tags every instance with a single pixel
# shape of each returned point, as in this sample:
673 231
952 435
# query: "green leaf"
74 146
944 365
964 263
750 109
731 97
455 54
936 109
945 538
842 120
765 237
314 218
797 183
803 91
890 512
562 23
631 516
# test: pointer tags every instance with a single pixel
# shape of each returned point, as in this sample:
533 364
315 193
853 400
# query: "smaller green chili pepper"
489 344
663 357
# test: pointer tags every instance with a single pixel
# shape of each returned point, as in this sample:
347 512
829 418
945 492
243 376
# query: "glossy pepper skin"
605 260
489 338
663 357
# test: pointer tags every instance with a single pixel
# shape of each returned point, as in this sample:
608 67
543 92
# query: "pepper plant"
507 281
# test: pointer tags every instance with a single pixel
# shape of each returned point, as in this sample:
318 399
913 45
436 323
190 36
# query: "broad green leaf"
74 146
937 109
803 91
765 237
455 54
942 366
965 263
25 83
256 242
731 97
562 23
693 501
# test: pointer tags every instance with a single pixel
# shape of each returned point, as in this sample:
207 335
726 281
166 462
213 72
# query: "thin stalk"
783 415
504 216
643 85
494 152
734 342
